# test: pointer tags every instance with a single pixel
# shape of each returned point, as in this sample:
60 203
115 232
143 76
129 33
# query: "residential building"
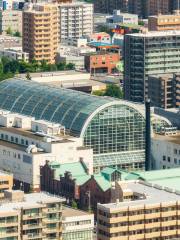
149 7
74 55
163 90
148 54
145 211
6 4
38 18
31 216
7 41
15 53
166 151
120 17
77 224
75 20
26 144
101 62
101 37
108 6
6 182
11 21
164 22
120 143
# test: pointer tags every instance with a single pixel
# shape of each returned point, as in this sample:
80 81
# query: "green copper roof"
80 180
102 182
165 177
75 168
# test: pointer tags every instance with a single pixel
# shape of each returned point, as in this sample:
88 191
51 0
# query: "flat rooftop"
3 173
154 195
156 34
29 201
169 138
71 212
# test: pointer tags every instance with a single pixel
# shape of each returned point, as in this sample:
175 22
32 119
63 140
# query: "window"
164 158
12 139
175 151
169 159
27 159
22 141
175 160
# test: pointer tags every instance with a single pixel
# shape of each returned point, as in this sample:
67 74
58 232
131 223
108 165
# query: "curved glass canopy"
68 107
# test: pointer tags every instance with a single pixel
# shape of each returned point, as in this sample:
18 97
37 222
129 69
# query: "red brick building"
101 62
71 181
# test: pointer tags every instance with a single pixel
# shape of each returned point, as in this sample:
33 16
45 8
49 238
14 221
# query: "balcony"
32 236
32 216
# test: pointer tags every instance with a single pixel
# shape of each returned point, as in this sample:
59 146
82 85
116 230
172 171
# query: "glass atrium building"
115 129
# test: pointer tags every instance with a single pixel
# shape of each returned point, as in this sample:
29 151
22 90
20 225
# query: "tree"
74 204
70 66
9 31
17 34
113 90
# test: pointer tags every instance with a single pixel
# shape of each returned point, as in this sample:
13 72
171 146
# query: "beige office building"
143 211
164 22
40 31
30 216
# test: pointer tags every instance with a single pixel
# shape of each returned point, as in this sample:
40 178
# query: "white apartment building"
125 18
11 20
15 54
166 151
76 20
30 216
77 224
26 144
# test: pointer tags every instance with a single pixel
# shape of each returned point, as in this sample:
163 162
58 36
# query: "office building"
145 211
38 19
30 216
164 22
120 17
7 41
163 90
166 151
75 20
114 129
148 54
15 53
26 144
6 182
10 21
77 224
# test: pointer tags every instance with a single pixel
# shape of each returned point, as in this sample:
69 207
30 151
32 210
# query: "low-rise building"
6 182
74 55
120 17
76 80
164 22
26 144
15 54
101 37
30 216
77 224
11 21
166 151
101 62
7 41
146 211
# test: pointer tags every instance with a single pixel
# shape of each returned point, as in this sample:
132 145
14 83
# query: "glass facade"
117 128
114 129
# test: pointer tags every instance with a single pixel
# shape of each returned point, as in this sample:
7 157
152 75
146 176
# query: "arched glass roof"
68 107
